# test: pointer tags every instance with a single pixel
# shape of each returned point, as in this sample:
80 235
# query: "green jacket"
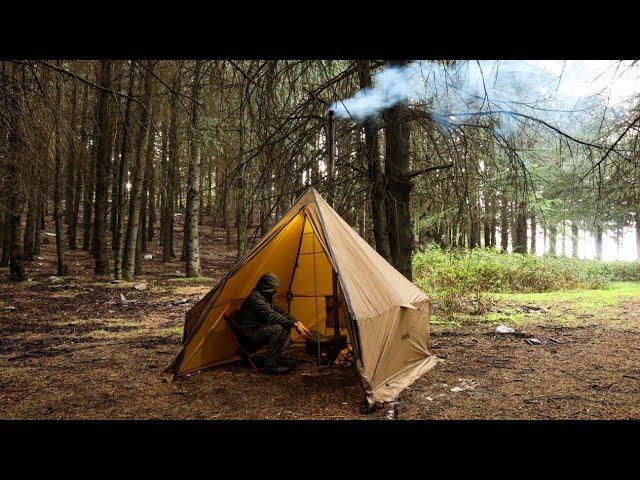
258 309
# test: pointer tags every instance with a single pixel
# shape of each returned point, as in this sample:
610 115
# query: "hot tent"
385 315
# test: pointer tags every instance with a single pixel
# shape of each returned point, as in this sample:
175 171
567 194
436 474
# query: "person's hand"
302 330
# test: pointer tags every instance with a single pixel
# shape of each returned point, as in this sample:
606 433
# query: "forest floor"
86 348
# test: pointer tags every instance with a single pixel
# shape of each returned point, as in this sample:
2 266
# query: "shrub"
459 279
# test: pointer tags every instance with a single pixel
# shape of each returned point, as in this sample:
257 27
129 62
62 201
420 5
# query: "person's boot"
287 361
274 368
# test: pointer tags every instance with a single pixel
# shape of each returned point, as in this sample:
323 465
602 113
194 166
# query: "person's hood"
268 284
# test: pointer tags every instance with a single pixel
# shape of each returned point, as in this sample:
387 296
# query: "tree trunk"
487 217
193 190
494 221
42 206
239 184
58 186
520 241
513 225
37 242
210 198
129 253
598 242
226 206
398 186
72 231
504 224
5 222
141 243
78 159
638 234
140 238
164 166
30 228
145 214
151 175
532 249
17 271
103 163
474 221
15 157
120 193
376 175
115 190
71 154
89 189
553 232
172 169
240 216
201 207
574 240
265 205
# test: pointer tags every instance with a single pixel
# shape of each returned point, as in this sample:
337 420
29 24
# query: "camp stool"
246 348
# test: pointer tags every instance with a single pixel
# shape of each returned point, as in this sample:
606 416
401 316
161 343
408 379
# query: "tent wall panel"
304 282
304 309
277 257
406 343
218 347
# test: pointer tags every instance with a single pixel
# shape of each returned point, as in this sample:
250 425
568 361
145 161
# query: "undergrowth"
467 280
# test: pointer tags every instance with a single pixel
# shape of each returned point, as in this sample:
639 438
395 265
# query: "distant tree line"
115 150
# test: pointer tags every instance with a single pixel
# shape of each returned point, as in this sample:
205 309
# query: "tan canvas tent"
386 317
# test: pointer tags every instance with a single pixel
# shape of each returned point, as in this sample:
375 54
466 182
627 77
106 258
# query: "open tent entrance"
313 294
309 289
314 290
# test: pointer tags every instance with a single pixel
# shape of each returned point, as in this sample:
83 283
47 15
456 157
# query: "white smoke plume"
509 91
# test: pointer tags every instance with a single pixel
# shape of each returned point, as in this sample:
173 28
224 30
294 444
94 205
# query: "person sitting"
266 323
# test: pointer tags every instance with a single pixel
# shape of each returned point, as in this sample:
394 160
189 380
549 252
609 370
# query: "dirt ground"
86 348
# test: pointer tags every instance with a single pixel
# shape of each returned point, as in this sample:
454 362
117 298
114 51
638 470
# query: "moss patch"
115 286
615 306
207 280
177 330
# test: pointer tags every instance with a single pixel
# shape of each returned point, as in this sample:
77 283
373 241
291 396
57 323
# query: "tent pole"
336 316
331 143
315 287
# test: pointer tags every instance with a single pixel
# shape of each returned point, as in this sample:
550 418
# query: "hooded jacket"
258 308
